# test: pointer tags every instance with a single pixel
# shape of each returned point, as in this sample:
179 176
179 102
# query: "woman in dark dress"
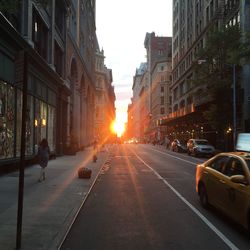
43 157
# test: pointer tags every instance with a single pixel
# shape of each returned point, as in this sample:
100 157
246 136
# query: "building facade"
80 72
160 98
191 22
135 115
104 99
151 98
28 54
51 47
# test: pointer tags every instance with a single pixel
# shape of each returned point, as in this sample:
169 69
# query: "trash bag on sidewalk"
84 173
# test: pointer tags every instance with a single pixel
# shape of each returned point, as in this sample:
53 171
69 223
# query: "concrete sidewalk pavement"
49 207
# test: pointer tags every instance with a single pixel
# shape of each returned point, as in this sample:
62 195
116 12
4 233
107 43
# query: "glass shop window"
40 122
29 125
7 106
51 128
19 104
43 120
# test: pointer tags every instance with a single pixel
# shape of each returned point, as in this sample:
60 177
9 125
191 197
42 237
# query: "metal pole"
22 156
234 108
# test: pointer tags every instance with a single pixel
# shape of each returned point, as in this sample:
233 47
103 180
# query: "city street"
145 199
105 118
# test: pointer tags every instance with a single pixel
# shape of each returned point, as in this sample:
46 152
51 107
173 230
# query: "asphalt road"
145 199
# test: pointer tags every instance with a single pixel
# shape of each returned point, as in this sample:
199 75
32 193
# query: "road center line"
190 162
196 211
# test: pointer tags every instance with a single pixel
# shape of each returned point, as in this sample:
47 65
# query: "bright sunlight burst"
118 128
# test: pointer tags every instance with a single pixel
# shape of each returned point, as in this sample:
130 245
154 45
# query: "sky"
121 27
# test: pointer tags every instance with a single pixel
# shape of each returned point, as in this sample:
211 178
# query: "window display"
51 127
43 119
40 123
19 105
29 125
37 124
6 120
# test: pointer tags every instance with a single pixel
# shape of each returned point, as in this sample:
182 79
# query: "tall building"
151 99
80 72
50 45
130 123
159 52
191 22
32 47
139 84
160 97
104 99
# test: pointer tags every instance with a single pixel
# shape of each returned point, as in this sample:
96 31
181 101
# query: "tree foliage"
224 48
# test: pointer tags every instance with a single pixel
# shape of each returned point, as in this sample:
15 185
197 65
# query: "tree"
224 48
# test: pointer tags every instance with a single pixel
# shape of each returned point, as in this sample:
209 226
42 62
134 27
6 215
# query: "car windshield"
202 142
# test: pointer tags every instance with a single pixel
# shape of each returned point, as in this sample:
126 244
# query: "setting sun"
118 128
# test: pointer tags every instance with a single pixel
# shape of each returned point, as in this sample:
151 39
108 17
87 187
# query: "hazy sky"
121 27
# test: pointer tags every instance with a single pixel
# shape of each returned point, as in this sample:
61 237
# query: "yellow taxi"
224 182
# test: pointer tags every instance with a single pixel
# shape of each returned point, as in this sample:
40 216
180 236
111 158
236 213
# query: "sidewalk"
49 207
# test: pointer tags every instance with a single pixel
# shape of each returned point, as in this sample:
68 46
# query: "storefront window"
29 125
51 128
37 124
40 122
6 120
43 120
19 122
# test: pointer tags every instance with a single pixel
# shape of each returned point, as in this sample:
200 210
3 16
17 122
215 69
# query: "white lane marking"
197 212
190 162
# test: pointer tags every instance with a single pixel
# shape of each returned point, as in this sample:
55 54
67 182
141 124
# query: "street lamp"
234 107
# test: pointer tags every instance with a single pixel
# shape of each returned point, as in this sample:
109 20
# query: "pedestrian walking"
43 157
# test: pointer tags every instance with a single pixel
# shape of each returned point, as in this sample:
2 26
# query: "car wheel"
203 196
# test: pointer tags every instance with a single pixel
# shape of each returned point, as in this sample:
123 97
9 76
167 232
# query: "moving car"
199 147
224 182
178 146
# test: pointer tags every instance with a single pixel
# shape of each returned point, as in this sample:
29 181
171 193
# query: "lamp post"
234 108
23 55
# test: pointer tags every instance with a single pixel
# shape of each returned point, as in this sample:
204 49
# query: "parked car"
224 182
200 147
178 146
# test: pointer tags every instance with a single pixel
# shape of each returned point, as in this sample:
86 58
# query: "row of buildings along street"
173 97
52 46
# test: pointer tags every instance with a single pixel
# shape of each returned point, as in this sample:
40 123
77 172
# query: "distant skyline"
121 28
